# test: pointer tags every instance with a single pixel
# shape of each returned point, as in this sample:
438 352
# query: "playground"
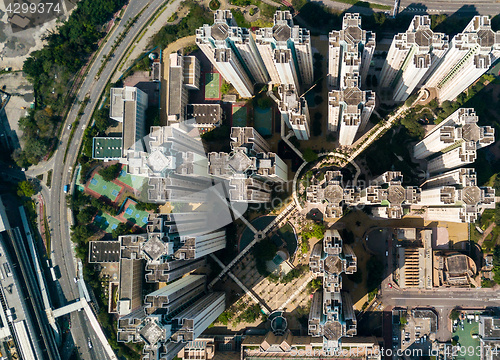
131 214
117 190
104 188
239 115
106 222
263 121
212 86
132 181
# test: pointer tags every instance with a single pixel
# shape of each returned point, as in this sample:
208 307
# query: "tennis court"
239 118
133 215
102 187
135 182
212 86
263 121
106 222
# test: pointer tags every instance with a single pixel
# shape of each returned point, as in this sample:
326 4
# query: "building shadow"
455 23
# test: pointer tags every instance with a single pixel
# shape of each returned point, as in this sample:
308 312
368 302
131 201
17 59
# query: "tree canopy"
26 188
111 172
310 155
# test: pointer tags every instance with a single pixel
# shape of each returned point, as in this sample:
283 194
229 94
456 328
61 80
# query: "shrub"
309 155
214 5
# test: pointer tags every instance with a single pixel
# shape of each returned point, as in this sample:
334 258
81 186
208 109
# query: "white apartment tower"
350 51
463 155
461 126
286 51
412 57
233 52
457 138
471 54
455 196
349 110
294 111
232 70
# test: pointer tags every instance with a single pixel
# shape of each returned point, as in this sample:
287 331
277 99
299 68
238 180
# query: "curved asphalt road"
56 209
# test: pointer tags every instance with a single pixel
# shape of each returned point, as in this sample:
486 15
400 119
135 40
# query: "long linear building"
249 167
453 196
171 316
128 105
184 75
471 53
167 318
412 57
332 315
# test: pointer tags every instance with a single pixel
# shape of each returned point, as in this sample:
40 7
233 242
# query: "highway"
56 209
434 7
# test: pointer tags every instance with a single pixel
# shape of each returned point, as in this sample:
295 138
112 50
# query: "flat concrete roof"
104 251
107 148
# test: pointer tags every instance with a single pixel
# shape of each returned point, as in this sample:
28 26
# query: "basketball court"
263 121
100 186
212 86
106 222
239 115
133 215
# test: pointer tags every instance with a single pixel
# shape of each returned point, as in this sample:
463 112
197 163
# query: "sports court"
263 121
239 115
106 222
131 214
99 185
212 86
135 182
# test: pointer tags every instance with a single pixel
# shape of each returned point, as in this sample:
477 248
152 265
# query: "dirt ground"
15 47
21 96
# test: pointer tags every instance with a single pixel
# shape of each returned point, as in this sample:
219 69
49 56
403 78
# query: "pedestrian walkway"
280 218
259 235
297 292
263 306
